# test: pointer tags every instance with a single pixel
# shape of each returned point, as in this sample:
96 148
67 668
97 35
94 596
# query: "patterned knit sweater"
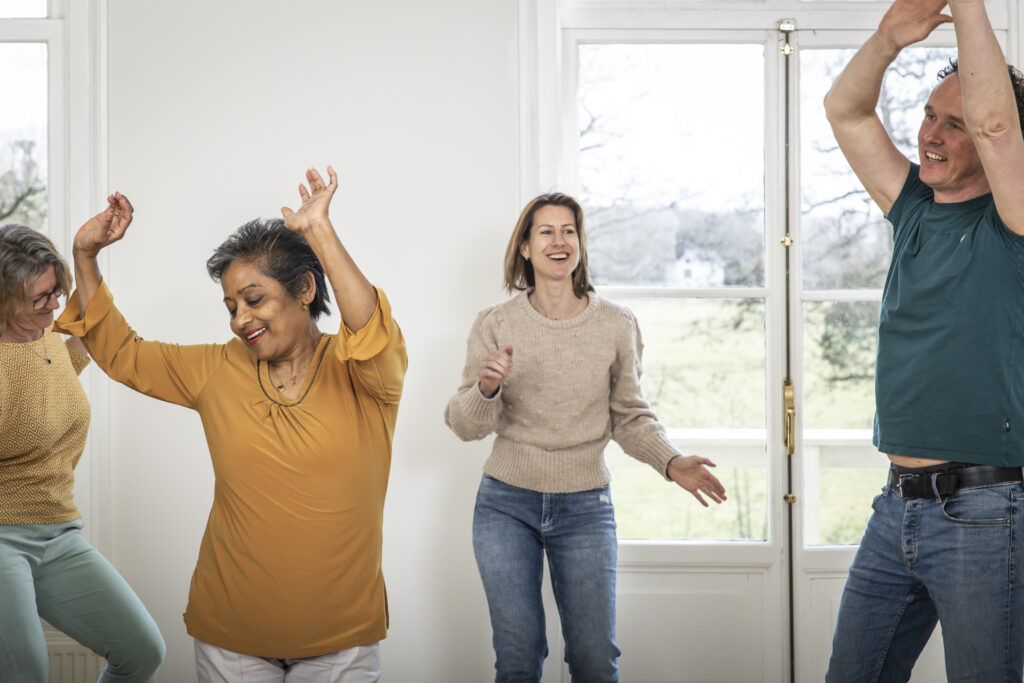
574 385
44 419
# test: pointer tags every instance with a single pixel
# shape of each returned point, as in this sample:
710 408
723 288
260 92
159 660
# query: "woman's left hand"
106 227
315 202
691 472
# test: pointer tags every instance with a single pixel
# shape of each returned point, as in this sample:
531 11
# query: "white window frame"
74 32
550 30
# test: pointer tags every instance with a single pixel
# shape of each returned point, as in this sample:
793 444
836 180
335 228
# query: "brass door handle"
789 419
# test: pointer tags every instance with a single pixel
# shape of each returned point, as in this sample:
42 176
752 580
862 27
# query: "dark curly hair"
1016 81
279 253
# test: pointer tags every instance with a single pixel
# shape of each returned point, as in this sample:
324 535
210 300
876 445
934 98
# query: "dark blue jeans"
959 561
513 528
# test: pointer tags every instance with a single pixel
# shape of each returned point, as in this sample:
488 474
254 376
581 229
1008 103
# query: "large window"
23 134
847 244
720 210
50 131
673 186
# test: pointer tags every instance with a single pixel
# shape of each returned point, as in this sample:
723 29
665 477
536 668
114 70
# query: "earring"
305 306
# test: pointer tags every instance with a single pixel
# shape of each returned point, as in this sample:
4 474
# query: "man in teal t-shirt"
949 388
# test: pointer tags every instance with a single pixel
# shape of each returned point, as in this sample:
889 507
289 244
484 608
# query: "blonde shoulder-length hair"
519 271
25 255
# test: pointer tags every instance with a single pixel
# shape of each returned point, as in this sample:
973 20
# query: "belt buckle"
899 483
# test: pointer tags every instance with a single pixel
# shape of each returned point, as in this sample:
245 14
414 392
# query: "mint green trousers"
51 571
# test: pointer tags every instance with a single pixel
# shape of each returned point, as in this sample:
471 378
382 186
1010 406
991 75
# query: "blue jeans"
512 529
958 561
50 570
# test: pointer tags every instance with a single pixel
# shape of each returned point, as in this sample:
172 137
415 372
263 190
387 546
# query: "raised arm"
850 103
476 408
169 372
356 297
990 109
102 230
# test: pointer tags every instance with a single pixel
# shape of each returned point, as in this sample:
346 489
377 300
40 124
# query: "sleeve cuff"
658 452
473 408
480 408
372 338
100 304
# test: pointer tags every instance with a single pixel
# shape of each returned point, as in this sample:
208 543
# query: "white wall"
216 108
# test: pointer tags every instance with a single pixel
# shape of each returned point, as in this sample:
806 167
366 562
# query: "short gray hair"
25 255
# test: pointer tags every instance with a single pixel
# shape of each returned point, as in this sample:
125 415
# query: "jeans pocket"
981 506
881 494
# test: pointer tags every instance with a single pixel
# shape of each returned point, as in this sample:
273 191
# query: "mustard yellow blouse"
290 562
44 419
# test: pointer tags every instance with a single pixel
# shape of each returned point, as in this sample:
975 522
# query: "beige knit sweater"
574 385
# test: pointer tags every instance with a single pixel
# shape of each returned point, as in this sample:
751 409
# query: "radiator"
69 661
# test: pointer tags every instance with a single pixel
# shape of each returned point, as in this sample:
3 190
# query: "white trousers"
360 664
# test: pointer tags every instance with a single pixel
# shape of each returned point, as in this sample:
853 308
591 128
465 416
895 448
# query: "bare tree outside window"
22 188
671 169
23 139
847 246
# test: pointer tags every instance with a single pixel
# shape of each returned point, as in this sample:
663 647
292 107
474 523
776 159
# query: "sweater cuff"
100 304
480 408
657 451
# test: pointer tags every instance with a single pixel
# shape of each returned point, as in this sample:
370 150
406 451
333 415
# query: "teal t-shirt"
949 376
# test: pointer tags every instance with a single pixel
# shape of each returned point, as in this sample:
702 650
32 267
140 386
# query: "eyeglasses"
40 302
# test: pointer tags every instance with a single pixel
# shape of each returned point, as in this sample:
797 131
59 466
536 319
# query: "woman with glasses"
47 568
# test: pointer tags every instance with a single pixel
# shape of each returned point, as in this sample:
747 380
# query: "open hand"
315 202
106 227
494 369
910 21
691 472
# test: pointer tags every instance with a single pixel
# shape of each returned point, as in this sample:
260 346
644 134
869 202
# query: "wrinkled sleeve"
169 372
78 362
376 354
635 427
469 413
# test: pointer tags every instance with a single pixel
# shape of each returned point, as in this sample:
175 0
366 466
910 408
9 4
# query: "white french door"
720 211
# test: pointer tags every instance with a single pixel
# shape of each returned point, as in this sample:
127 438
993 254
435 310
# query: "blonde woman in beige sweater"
574 384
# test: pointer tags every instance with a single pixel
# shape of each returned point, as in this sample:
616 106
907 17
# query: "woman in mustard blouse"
299 424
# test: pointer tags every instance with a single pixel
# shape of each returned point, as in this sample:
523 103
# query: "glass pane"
23 9
843 474
839 364
23 142
674 192
704 375
703 361
647 507
847 244
842 471
846 241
